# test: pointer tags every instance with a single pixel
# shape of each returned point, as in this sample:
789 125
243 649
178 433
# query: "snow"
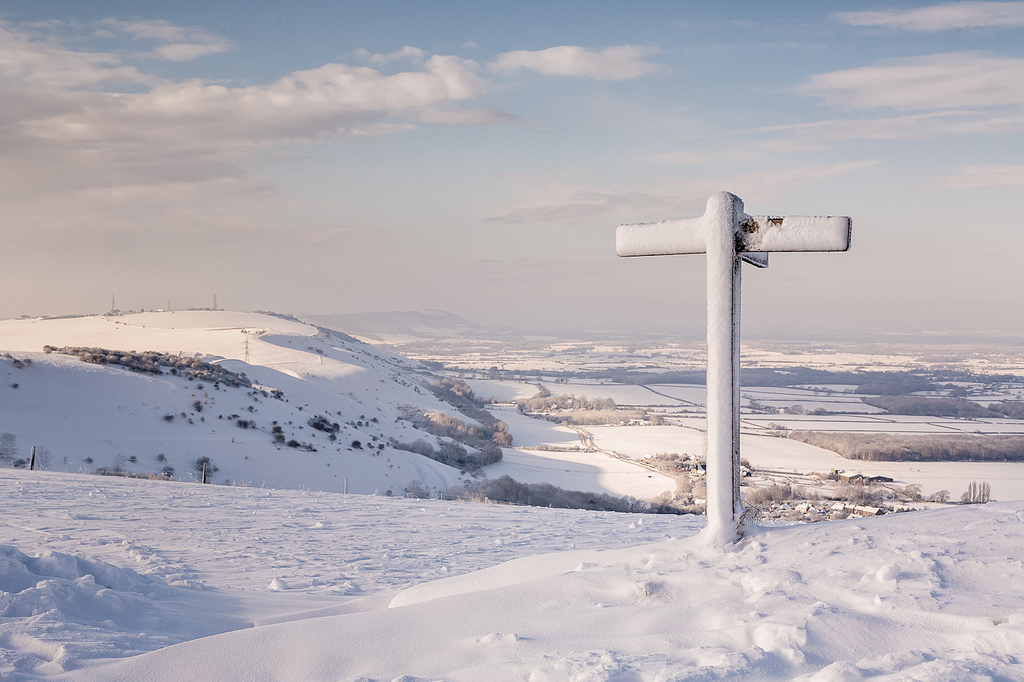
141 580
107 578
798 233
502 390
588 471
667 237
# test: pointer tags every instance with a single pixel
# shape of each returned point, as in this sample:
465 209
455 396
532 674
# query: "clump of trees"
774 493
550 403
1014 409
485 439
507 489
893 447
453 454
152 362
977 493
579 410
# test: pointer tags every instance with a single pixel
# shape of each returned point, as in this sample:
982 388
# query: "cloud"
933 82
951 15
620 62
466 116
976 177
182 52
89 139
560 203
329 101
44 65
180 43
413 54
923 126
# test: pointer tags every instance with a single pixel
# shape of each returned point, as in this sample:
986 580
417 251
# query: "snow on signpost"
728 235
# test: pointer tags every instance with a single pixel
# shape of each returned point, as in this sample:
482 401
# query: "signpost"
728 235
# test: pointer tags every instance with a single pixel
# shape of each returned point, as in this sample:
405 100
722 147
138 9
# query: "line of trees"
894 447
929 407
507 489
151 362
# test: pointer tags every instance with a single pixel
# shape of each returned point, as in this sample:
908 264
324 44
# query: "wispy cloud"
561 203
943 17
410 53
932 82
178 43
923 126
620 62
466 116
34 63
976 177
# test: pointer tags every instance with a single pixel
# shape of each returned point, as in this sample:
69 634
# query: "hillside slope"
96 415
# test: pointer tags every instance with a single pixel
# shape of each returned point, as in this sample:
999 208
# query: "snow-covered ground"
120 579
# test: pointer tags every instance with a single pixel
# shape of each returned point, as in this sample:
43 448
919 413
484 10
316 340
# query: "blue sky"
476 157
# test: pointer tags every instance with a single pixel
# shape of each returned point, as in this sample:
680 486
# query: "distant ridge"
419 323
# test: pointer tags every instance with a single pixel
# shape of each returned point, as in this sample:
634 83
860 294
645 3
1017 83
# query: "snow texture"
796 233
118 579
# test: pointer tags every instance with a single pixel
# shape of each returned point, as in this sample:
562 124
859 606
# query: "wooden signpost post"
728 236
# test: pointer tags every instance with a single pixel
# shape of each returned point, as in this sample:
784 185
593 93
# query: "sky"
343 157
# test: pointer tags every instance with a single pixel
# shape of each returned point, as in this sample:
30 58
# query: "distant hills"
413 324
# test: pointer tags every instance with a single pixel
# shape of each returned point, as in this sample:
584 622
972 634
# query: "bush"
204 463
416 490
765 496
324 424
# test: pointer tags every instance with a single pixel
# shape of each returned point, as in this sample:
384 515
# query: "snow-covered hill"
94 415
120 579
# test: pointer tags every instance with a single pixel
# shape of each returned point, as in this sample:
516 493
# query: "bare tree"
977 493
44 458
8 447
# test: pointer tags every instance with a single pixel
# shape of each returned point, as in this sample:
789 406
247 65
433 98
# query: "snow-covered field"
120 579
785 455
